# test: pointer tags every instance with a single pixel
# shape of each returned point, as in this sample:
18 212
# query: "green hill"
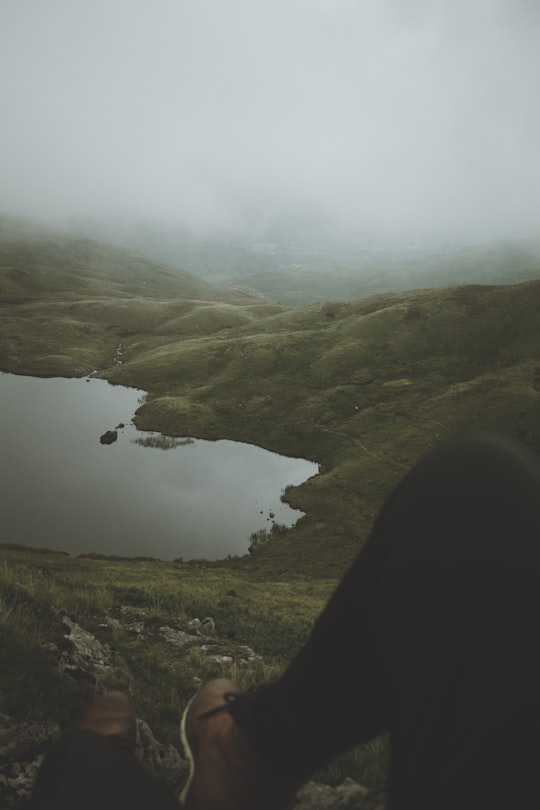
363 387
36 264
67 302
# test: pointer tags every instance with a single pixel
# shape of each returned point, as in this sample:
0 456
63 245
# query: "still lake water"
62 489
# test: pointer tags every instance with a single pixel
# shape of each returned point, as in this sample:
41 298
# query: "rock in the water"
109 437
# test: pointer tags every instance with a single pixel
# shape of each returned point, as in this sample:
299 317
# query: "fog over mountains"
281 121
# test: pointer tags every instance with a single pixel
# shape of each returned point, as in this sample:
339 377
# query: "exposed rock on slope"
86 658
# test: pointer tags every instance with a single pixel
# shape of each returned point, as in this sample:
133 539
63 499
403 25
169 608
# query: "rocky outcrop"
87 659
207 627
21 750
23 745
347 796
178 638
163 760
86 653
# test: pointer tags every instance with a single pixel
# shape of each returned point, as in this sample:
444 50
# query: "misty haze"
307 226
292 245
410 123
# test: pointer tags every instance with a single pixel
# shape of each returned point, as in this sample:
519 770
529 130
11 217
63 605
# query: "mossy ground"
363 388
271 615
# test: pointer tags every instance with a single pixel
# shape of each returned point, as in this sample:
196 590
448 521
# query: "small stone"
208 627
178 638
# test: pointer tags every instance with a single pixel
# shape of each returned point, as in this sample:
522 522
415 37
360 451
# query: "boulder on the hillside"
206 627
87 659
178 638
86 656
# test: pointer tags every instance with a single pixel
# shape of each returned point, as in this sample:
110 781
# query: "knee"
480 457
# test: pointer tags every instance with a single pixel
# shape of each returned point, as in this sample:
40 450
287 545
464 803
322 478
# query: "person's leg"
86 771
335 693
433 634
95 767
459 594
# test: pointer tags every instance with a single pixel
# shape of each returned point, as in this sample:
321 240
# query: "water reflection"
62 489
162 442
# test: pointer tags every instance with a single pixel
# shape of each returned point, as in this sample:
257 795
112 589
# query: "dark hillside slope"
364 387
36 264
68 304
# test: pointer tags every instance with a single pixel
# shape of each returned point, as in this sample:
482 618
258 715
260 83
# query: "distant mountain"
216 258
37 263
297 266
385 271
66 302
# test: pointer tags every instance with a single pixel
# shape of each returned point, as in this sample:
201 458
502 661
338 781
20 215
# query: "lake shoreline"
120 492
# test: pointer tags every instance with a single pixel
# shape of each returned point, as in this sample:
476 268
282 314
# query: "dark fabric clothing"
433 635
88 771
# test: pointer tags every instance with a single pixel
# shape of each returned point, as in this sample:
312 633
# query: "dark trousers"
88 771
433 635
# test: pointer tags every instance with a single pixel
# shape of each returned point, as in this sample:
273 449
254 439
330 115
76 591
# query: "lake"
62 489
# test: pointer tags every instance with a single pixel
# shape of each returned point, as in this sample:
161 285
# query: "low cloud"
384 119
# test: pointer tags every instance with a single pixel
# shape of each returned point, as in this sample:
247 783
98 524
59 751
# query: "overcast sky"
388 117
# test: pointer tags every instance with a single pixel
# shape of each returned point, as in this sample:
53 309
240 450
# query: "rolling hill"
364 387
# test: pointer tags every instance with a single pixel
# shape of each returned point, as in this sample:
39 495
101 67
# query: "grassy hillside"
39 265
362 387
67 303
